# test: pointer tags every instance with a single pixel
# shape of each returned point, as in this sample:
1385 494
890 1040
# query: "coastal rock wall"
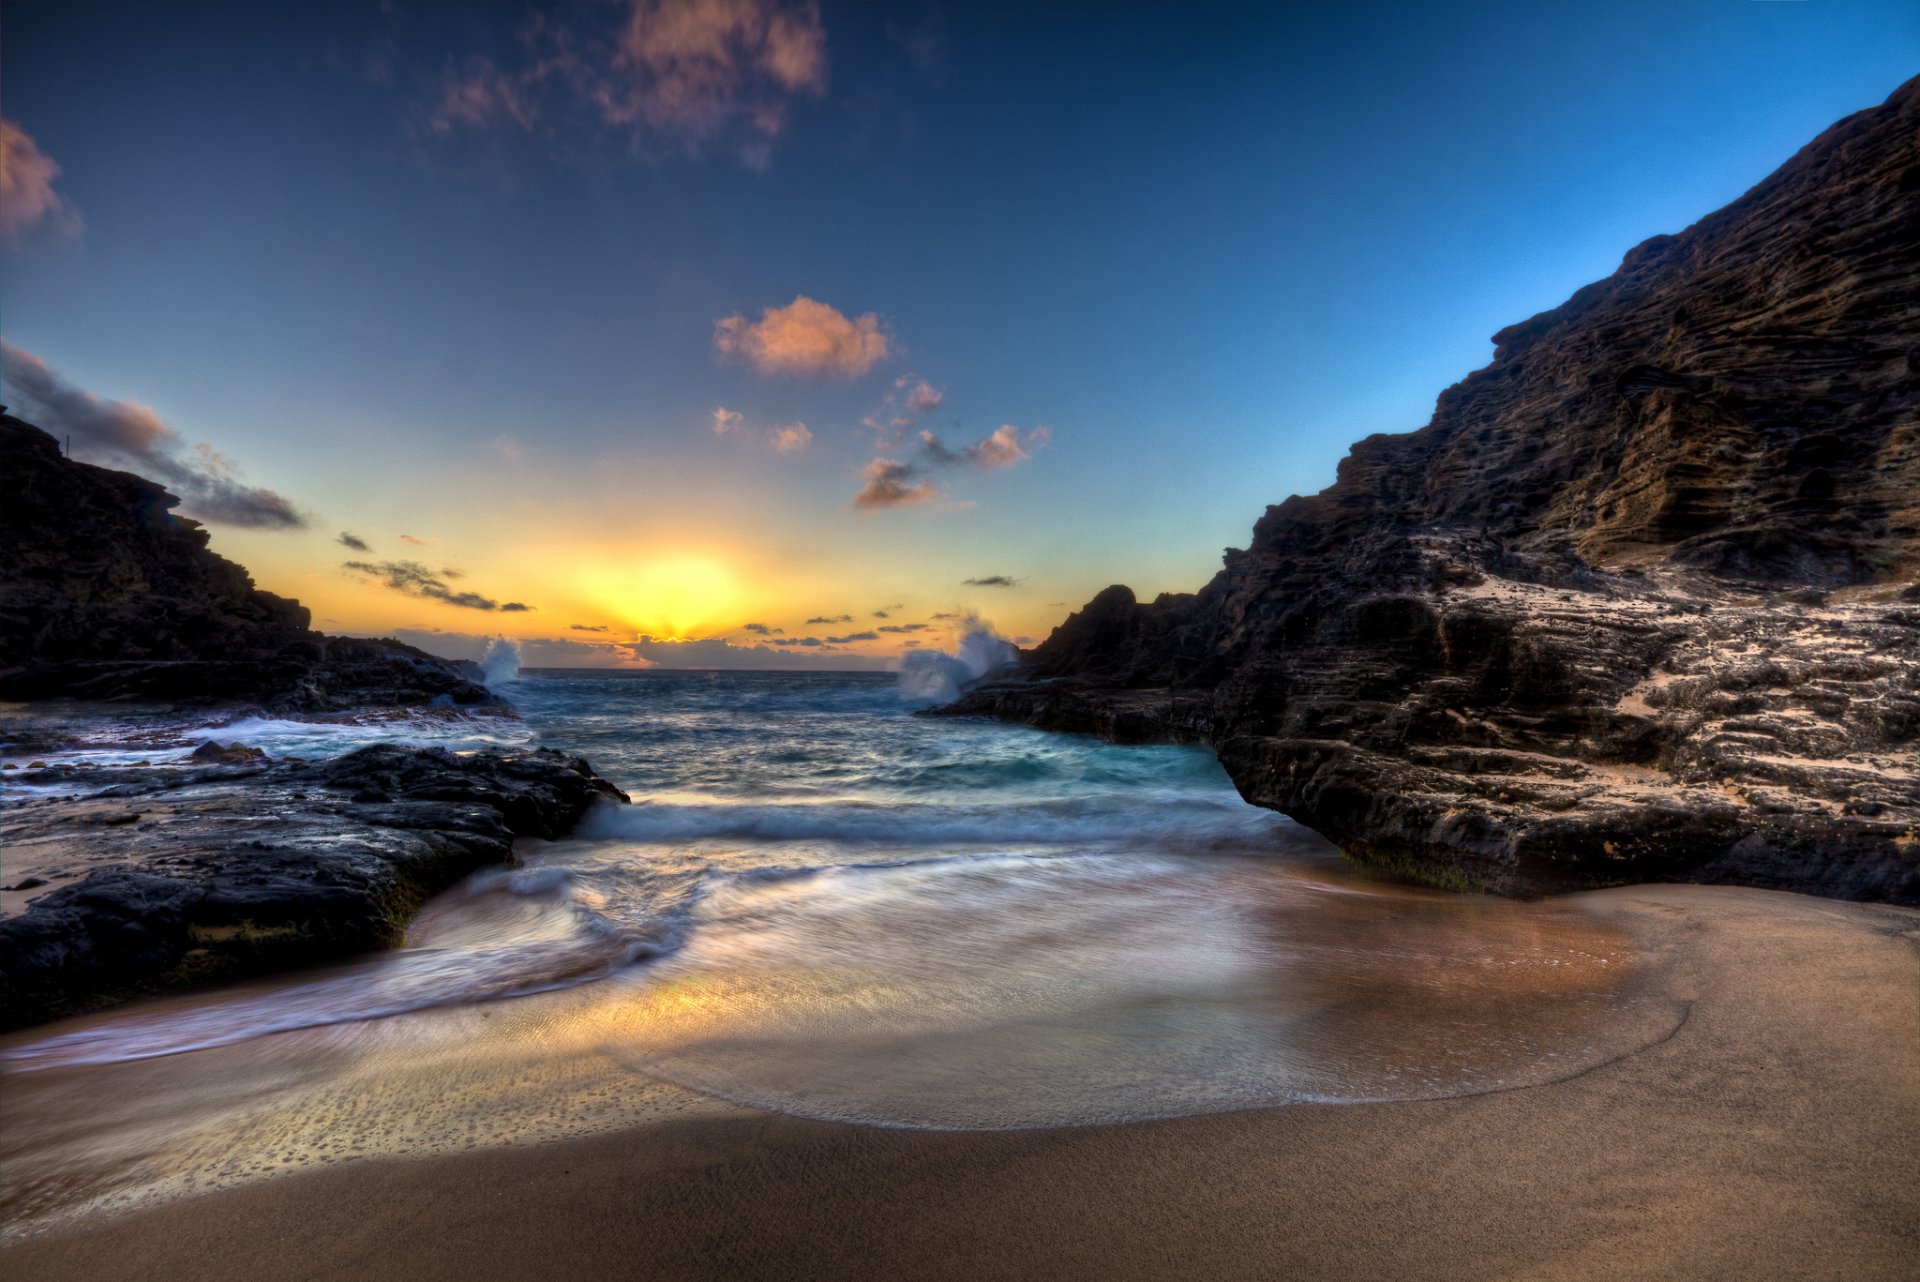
1642 601
107 595
161 880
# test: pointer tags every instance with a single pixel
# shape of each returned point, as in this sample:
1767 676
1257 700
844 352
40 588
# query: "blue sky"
456 271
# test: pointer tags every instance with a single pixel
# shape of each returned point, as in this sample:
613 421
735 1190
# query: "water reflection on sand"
985 992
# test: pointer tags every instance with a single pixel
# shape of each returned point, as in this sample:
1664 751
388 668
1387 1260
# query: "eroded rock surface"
231 864
107 595
1642 601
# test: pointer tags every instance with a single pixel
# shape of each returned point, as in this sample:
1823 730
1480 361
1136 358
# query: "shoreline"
1772 1135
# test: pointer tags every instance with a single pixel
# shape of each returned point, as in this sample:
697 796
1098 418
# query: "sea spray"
500 662
934 676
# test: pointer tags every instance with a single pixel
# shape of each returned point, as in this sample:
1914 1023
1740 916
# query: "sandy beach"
1774 1134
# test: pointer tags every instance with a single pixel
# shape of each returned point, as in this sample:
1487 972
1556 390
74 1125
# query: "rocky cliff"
1640 602
106 594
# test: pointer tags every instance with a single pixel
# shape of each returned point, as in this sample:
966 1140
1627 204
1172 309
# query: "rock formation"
1639 602
227 864
107 594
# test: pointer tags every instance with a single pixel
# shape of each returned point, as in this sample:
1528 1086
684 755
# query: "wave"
1182 822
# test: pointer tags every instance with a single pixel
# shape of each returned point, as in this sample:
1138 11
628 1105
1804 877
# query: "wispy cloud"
838 618
586 627
125 435
992 581
904 627
784 438
910 399
1005 446
417 542
896 482
790 438
678 77
890 483
28 202
416 579
762 629
807 338
353 542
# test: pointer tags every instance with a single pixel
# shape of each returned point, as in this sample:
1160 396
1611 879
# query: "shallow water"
823 905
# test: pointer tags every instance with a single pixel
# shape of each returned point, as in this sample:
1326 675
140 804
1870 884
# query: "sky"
750 334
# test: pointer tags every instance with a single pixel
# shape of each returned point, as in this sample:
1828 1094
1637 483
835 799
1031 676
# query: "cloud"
762 629
484 97
125 435
1005 447
586 627
350 541
419 543
676 76
797 653
838 618
852 637
921 396
535 652
807 338
416 579
910 399
905 627
890 483
786 438
28 202
992 581
790 439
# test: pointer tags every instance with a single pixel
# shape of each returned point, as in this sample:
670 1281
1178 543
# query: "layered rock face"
1642 601
229 864
105 594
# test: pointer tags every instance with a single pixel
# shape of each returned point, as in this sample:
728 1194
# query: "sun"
667 596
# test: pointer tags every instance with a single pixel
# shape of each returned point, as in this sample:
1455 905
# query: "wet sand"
1774 1134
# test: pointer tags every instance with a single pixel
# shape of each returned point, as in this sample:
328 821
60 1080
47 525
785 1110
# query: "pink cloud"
790 439
726 420
806 338
128 435
28 201
1005 447
679 75
483 97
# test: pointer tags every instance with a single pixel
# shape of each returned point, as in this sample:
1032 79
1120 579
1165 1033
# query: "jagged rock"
1638 603
226 754
107 595
175 878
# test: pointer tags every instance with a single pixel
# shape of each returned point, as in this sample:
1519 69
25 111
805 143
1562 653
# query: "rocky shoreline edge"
1530 737
230 864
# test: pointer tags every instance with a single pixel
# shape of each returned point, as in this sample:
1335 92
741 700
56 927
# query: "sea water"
824 904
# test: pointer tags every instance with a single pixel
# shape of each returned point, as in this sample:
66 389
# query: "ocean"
823 904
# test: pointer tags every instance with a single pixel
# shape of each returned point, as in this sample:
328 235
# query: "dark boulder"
209 873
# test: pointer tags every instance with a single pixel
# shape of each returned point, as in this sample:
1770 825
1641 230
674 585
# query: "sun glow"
666 597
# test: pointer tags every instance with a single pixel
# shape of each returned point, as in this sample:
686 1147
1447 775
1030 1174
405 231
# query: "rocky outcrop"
230 864
107 595
1639 602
